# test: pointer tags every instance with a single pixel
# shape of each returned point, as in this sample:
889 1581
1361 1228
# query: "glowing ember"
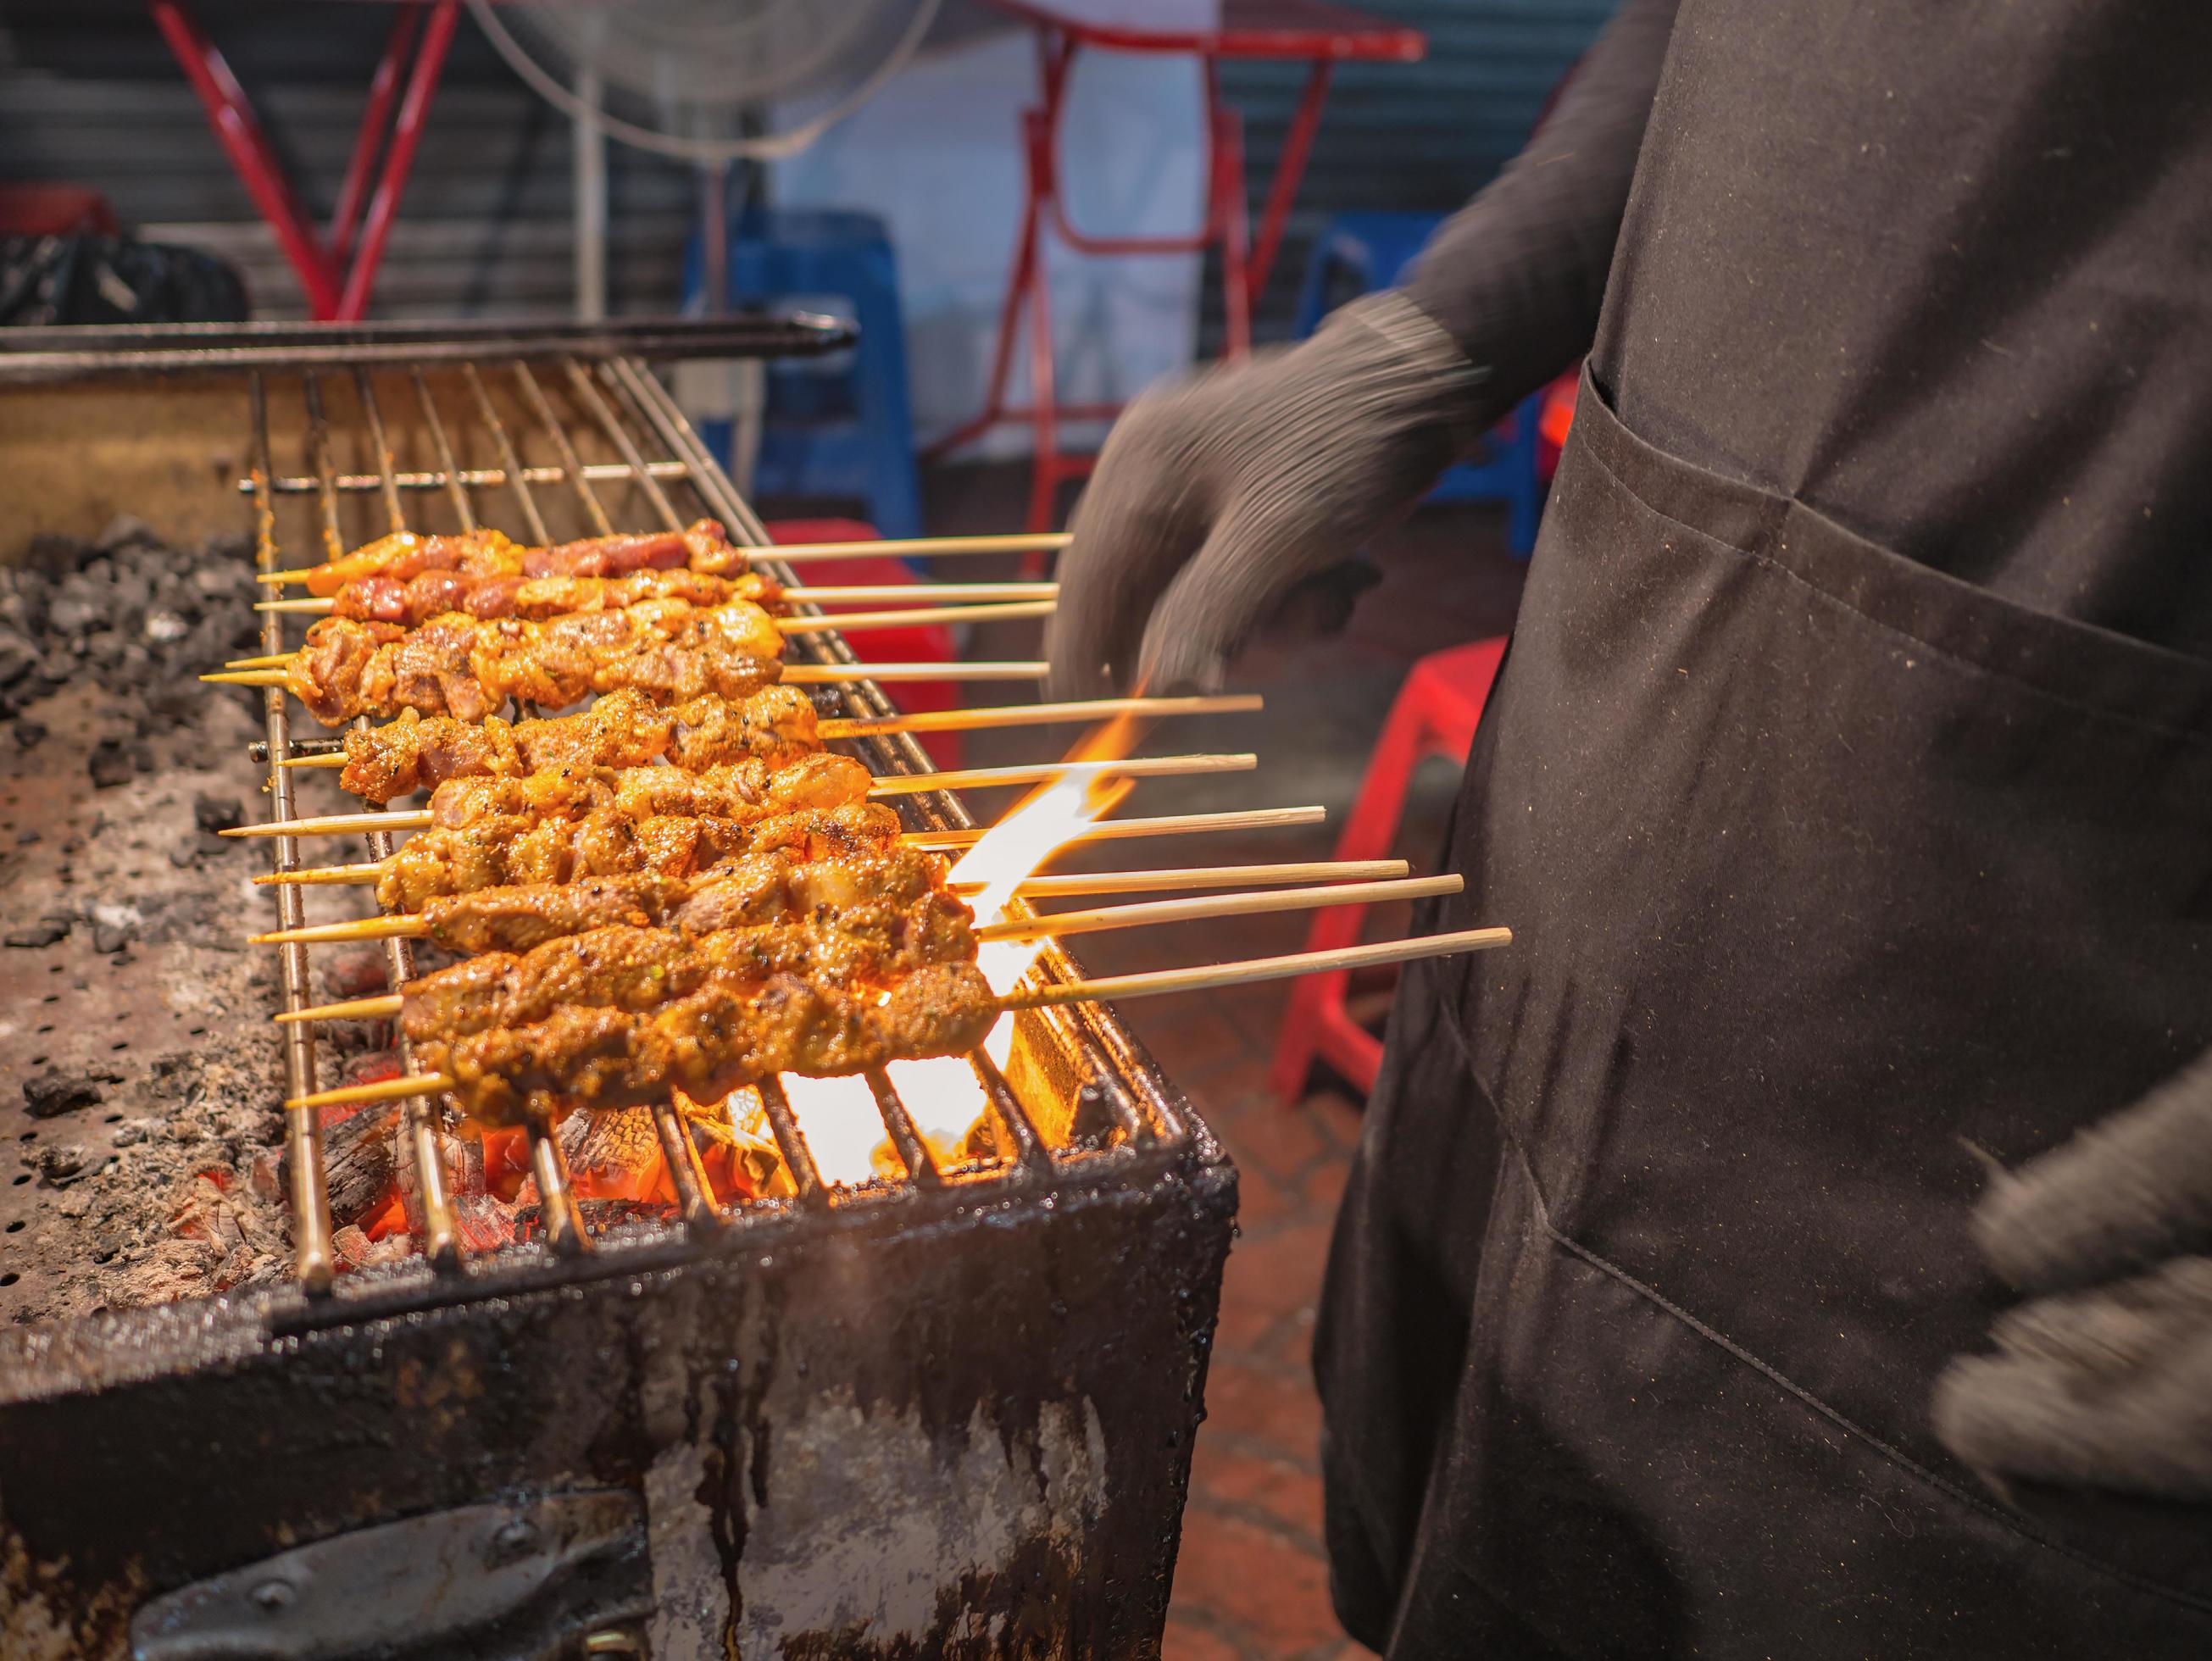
943 1095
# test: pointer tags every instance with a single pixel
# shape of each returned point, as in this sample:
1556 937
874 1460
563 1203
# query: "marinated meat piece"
728 1034
502 850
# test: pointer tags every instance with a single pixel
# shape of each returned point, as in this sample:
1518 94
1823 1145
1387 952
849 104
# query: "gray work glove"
2105 1380
1218 495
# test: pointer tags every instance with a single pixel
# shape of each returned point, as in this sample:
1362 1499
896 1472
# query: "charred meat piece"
625 728
403 556
455 665
505 850
729 1033
622 966
385 598
777 887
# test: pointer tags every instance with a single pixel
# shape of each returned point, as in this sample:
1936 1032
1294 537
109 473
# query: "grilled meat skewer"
403 556
775 887
868 945
740 791
729 1033
433 593
457 666
625 728
505 850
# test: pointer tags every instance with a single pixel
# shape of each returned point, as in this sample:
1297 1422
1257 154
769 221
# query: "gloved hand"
1215 496
2106 1380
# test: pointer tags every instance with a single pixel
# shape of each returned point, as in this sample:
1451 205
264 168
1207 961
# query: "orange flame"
942 1095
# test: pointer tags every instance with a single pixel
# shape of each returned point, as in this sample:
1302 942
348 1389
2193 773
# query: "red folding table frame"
338 273
1322 34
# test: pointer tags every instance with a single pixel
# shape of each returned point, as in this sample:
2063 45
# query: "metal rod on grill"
497 429
596 407
449 469
571 462
1031 1153
913 1151
790 1141
418 1128
313 1259
556 1200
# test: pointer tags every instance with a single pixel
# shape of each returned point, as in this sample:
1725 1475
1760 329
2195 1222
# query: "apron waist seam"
2190 735
1896 1456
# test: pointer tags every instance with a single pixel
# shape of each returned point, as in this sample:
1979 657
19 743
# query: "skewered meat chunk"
728 1034
624 967
403 556
415 600
775 887
456 666
738 791
625 728
504 850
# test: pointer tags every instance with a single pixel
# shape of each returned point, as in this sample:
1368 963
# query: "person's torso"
1943 272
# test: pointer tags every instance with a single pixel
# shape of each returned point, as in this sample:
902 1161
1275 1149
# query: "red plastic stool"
921 644
1435 714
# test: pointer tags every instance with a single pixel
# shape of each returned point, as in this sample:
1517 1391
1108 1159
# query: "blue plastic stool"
831 429
1359 252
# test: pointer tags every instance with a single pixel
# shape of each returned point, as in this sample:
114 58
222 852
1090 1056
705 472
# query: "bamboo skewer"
800 553
1144 916
1201 977
969 721
859 594
890 784
401 926
1174 824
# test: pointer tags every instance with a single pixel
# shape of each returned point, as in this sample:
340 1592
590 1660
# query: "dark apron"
1822 866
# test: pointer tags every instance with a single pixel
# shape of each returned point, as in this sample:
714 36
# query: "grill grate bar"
479 478
312 1261
534 395
1029 1151
791 1142
449 474
418 1115
515 470
913 1151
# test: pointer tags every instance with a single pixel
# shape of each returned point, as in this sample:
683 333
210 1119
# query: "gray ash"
140 1076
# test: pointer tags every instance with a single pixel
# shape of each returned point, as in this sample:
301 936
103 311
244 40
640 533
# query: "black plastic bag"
46 279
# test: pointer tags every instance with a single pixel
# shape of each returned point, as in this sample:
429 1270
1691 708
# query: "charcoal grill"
949 1413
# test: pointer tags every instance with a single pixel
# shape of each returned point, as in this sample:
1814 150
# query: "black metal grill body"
947 1415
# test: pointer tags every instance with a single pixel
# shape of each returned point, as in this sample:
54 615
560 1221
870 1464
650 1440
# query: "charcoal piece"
52 1093
60 1162
29 734
110 937
17 658
213 813
355 973
110 764
45 932
25 838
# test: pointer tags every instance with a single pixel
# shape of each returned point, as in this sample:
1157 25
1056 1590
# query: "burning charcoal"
17 658
356 973
213 813
60 1162
373 1066
52 1093
49 929
110 764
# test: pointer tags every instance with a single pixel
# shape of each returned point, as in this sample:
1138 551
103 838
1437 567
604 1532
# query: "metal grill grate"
613 406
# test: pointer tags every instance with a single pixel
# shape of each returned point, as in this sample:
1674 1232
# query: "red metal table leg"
414 111
243 141
376 116
1290 169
